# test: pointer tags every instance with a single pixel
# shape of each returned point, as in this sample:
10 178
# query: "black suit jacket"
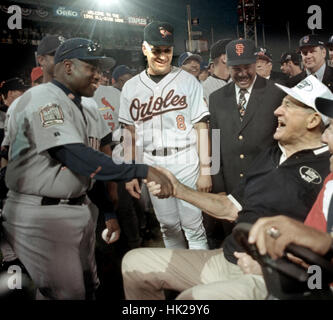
241 141
327 79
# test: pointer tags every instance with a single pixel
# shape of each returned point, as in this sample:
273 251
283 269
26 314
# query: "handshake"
160 182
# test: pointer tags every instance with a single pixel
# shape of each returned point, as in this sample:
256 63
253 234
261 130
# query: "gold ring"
273 232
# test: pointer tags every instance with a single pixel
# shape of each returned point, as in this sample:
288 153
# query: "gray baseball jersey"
39 122
212 84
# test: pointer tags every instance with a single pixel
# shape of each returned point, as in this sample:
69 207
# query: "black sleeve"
100 197
106 140
88 162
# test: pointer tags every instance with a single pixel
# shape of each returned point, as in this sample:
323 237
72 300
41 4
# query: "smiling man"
284 178
313 53
243 112
163 107
54 155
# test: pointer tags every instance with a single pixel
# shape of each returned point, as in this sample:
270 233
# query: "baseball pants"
177 217
55 243
196 274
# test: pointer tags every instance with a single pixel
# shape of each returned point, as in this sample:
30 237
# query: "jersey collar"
74 97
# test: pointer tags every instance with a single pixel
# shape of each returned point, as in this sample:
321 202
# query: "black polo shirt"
269 188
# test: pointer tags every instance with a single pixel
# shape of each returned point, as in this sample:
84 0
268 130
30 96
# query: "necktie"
241 103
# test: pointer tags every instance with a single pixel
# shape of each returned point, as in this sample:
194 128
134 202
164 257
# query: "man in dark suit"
243 111
313 54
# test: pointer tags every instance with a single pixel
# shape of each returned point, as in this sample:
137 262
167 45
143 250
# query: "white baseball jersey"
212 84
44 117
163 113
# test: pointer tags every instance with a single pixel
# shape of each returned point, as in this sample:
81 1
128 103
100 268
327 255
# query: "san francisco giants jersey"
163 113
45 117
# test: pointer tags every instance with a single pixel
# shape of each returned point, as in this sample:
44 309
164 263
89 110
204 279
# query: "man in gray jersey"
53 157
221 75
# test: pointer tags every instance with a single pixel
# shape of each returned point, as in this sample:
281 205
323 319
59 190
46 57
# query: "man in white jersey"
163 107
53 157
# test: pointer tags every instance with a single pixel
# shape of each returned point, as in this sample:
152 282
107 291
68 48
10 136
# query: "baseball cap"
311 40
82 49
36 73
203 65
158 33
13 84
119 71
329 43
290 56
49 45
186 56
264 55
307 91
240 51
218 48
325 106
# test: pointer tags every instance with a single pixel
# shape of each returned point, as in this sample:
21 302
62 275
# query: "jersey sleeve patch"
51 115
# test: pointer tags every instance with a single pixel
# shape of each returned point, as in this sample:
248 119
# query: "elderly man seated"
285 178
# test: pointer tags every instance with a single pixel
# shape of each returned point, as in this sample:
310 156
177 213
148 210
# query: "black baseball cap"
158 33
290 56
49 45
82 49
329 43
242 51
311 40
264 54
218 48
13 84
325 106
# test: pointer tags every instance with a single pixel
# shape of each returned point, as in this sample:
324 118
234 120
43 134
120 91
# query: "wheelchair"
284 279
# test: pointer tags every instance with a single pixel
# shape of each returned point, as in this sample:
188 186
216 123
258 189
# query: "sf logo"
239 49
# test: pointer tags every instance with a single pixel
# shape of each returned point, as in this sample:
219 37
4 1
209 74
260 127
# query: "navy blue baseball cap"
329 43
49 45
120 71
82 49
13 84
264 54
188 56
311 40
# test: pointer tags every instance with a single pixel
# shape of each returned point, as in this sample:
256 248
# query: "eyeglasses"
93 49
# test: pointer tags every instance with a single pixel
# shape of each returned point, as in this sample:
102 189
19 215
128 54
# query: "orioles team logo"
165 33
239 49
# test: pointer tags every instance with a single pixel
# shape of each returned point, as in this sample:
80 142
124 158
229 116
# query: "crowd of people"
204 147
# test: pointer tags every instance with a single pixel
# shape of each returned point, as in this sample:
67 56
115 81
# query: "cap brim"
103 62
242 61
290 92
325 106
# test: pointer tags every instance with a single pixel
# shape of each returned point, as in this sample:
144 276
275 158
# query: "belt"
166 151
47 201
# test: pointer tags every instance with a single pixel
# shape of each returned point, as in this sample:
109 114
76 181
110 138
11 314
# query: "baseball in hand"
113 236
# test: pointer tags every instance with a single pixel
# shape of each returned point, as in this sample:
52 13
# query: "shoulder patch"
310 175
51 114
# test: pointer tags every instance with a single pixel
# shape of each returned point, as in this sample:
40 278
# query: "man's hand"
161 177
247 264
113 227
133 188
288 231
204 183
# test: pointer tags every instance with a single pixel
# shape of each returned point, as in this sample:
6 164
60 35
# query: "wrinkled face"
263 68
159 58
82 77
292 121
243 75
327 137
192 66
313 57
